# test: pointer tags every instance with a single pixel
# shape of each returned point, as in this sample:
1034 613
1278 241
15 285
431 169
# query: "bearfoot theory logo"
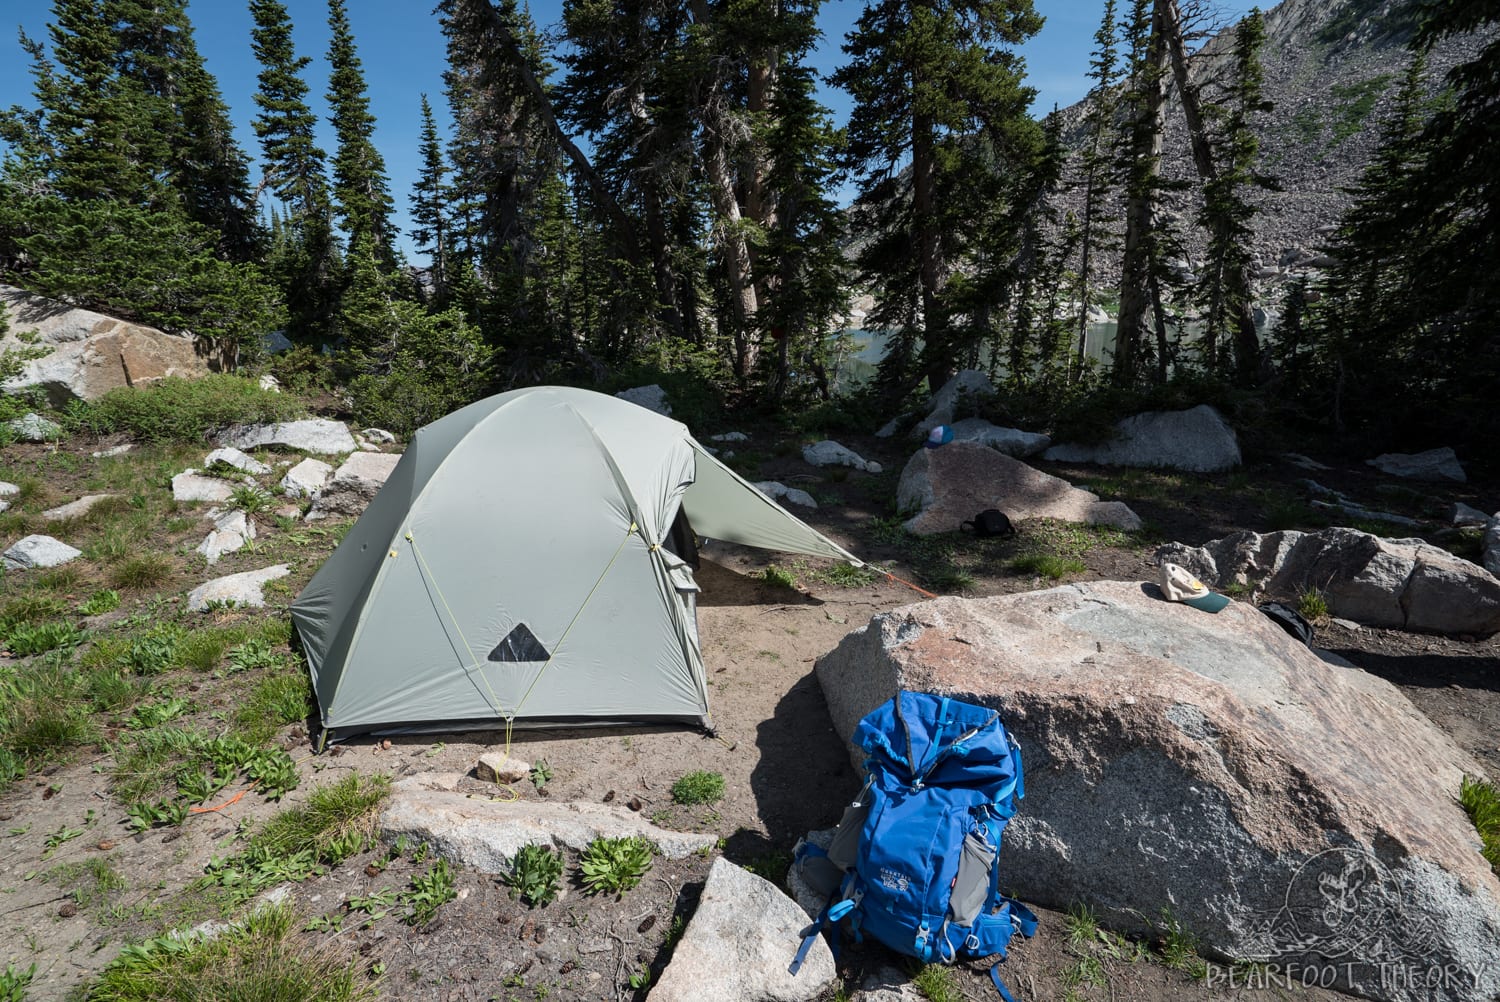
1345 922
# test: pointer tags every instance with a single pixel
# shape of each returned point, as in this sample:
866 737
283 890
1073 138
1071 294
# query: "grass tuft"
267 959
1481 800
149 570
698 788
1047 565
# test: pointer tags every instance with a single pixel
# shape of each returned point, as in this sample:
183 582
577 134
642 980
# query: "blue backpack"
913 860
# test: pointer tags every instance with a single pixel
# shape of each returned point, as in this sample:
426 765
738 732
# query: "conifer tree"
361 189
305 259
1096 159
431 198
926 78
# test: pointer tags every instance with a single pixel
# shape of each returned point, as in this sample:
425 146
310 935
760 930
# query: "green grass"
1312 605
1481 800
275 701
1047 565
267 959
845 576
146 570
184 410
937 983
779 577
698 787
92 884
44 713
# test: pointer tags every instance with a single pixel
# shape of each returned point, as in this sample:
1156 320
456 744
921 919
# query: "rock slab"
778 491
35 428
1011 441
735 947
1198 440
306 479
245 589
314 435
231 532
831 453
950 485
354 485
90 353
652 397
235 458
39 551
485 835
1210 765
190 485
1434 464
1402 584
76 509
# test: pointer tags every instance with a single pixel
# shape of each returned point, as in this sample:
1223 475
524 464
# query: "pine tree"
431 199
361 188
1096 158
926 78
305 258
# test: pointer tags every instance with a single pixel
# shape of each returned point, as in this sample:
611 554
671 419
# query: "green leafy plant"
614 865
13 982
535 875
1481 800
253 655
102 601
779 577
428 893
698 788
250 499
541 773
27 639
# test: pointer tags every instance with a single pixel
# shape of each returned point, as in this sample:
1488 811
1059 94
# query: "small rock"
730 436
75 509
231 532
1297 459
379 436
190 485
39 551
1434 464
237 459
7 489
306 479
1466 515
243 590
830 453
354 484
115 450
778 491
652 397
500 767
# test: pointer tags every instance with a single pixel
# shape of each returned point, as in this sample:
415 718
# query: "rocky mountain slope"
1332 68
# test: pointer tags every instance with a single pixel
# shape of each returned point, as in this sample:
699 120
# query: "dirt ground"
786 771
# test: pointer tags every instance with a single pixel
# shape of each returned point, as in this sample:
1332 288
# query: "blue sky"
402 51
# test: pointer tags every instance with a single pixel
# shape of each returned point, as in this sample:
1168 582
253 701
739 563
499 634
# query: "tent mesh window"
519 644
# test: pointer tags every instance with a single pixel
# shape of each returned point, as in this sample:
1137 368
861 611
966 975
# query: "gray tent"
517 566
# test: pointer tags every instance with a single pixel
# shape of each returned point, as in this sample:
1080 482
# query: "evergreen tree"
431 199
305 257
1096 159
361 188
927 78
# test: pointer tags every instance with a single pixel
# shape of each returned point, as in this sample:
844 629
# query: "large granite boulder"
354 485
313 435
1434 464
652 397
1198 440
1210 768
967 386
90 353
1403 584
950 484
735 947
1011 441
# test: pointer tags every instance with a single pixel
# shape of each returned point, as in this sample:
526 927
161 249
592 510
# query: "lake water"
856 367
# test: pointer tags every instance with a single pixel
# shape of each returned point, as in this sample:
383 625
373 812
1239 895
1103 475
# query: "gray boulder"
306 479
314 435
236 459
1467 515
1403 584
1492 545
379 436
190 485
89 353
354 485
243 590
230 533
949 485
76 509
966 387
735 947
39 551
830 453
485 835
652 397
35 428
778 491
1213 768
1011 441
1198 440
1434 464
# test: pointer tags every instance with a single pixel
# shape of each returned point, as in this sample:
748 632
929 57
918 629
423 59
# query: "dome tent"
513 568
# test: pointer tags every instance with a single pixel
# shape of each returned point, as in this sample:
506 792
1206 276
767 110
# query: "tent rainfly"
518 567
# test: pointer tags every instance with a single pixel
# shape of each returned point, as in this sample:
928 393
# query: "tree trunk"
736 253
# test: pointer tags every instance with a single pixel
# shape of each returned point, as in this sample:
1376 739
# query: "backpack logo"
898 882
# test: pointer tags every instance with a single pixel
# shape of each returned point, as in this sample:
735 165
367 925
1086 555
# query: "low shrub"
698 787
184 410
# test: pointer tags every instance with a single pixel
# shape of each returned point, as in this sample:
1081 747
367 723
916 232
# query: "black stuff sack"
1289 620
991 523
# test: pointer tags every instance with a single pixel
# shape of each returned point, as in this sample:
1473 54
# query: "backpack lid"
939 740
